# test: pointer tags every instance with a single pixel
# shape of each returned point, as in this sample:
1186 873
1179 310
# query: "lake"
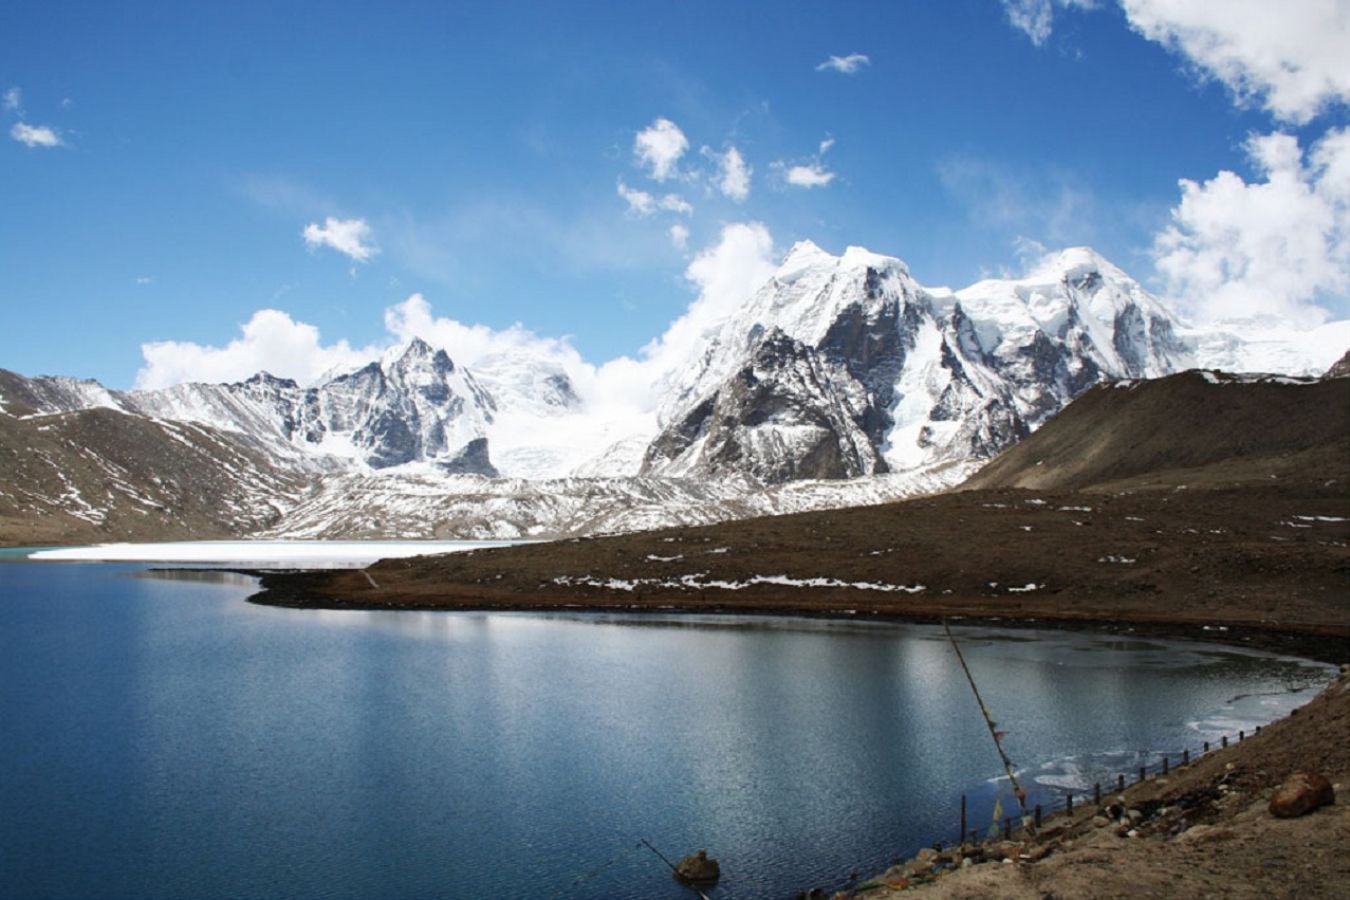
164 738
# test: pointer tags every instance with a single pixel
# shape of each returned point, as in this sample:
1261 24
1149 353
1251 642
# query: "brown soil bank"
1204 830
1271 557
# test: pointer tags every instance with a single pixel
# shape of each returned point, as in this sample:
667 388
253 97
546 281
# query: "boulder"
1300 794
698 869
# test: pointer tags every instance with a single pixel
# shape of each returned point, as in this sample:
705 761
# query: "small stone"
698 869
967 863
1100 821
1133 832
1135 815
1300 794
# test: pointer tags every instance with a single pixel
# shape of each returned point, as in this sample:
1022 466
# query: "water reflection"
201 576
189 743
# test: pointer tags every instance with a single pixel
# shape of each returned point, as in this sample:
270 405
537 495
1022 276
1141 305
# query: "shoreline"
1195 830
1323 644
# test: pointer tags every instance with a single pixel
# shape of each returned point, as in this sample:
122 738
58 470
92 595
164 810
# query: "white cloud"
659 147
1280 247
679 236
1035 18
677 204
145 279
350 237
639 202
1289 57
848 65
467 344
271 341
12 100
36 135
726 274
734 181
810 176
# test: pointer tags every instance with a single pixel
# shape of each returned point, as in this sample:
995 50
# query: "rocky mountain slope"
840 381
103 474
1189 427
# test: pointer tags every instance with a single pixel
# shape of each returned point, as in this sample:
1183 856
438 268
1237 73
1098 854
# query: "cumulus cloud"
468 344
270 341
734 176
12 100
1279 246
847 65
679 236
1288 57
725 273
35 135
809 176
658 147
350 237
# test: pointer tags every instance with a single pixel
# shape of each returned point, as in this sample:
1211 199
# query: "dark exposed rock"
1340 368
472 460
779 418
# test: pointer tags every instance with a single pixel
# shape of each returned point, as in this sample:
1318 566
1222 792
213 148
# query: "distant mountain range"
840 381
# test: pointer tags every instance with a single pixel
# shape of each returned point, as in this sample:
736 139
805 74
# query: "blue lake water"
163 738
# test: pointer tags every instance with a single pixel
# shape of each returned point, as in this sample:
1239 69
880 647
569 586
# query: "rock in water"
698 869
1300 794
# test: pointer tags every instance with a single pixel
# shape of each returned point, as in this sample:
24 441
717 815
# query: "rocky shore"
1218 827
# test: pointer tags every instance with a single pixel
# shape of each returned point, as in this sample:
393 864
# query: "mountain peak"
1073 263
861 257
419 354
418 347
804 249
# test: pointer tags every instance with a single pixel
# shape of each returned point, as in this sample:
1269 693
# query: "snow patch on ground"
263 554
699 581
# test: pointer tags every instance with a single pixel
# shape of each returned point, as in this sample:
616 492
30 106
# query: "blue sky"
162 162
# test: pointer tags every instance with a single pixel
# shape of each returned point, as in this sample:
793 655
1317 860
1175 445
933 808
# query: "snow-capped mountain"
413 405
841 380
845 366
